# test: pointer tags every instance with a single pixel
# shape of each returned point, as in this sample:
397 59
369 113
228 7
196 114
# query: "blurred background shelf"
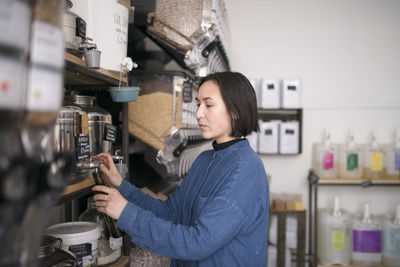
335 181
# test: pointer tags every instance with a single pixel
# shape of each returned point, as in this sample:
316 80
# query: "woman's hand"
109 170
109 201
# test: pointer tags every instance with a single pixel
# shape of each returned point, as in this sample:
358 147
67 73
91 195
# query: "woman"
218 216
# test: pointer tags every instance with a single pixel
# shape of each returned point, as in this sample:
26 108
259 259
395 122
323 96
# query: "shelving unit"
301 236
314 183
78 76
284 115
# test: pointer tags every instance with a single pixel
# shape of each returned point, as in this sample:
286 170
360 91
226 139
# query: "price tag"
82 147
47 45
44 89
15 17
187 92
115 243
110 132
12 88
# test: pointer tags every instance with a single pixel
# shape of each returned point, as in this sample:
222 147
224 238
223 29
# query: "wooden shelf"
76 73
88 182
76 190
339 181
121 262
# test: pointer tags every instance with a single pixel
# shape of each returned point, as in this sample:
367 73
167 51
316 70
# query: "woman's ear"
235 116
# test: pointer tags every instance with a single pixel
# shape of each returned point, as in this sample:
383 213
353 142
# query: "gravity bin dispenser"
164 117
194 33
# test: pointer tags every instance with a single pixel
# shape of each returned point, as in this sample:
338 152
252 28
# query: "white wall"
347 53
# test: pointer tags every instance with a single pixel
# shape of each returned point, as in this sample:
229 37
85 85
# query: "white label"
15 17
47 45
115 243
12 78
44 90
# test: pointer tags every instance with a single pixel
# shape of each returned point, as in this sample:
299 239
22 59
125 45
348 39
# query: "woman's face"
212 114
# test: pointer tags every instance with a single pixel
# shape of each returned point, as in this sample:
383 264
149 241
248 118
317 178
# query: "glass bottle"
109 249
99 180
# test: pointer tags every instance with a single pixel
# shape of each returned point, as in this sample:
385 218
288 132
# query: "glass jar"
109 248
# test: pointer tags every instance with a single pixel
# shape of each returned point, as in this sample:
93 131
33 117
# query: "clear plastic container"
374 160
391 240
393 158
109 249
350 160
367 239
326 158
334 236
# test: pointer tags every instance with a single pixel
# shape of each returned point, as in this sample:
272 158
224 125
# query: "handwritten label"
110 132
82 147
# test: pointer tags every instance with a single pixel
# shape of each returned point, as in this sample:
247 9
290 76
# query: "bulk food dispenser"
31 79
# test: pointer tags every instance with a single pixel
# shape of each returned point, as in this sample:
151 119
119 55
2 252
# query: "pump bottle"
391 240
325 157
374 160
393 158
350 160
334 236
367 239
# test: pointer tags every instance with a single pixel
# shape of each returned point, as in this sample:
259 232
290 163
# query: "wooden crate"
301 236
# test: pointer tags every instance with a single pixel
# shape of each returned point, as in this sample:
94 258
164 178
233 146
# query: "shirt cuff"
127 216
123 188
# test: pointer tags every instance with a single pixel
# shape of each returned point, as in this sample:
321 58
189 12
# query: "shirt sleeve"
163 209
218 223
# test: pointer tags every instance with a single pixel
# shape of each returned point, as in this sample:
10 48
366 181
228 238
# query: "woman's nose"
199 113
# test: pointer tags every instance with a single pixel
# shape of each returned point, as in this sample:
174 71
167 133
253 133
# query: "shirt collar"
224 145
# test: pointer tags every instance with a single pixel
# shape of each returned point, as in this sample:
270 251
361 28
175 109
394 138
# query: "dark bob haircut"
240 101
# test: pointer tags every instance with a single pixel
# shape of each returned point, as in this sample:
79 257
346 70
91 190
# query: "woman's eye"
198 104
208 106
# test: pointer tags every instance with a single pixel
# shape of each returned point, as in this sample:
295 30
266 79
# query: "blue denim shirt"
218 216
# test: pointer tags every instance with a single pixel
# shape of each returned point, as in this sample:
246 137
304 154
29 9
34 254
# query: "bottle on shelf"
367 239
374 159
350 159
393 158
334 236
325 158
391 240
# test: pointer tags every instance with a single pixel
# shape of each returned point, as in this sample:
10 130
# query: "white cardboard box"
253 140
289 137
256 85
291 93
268 137
270 90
